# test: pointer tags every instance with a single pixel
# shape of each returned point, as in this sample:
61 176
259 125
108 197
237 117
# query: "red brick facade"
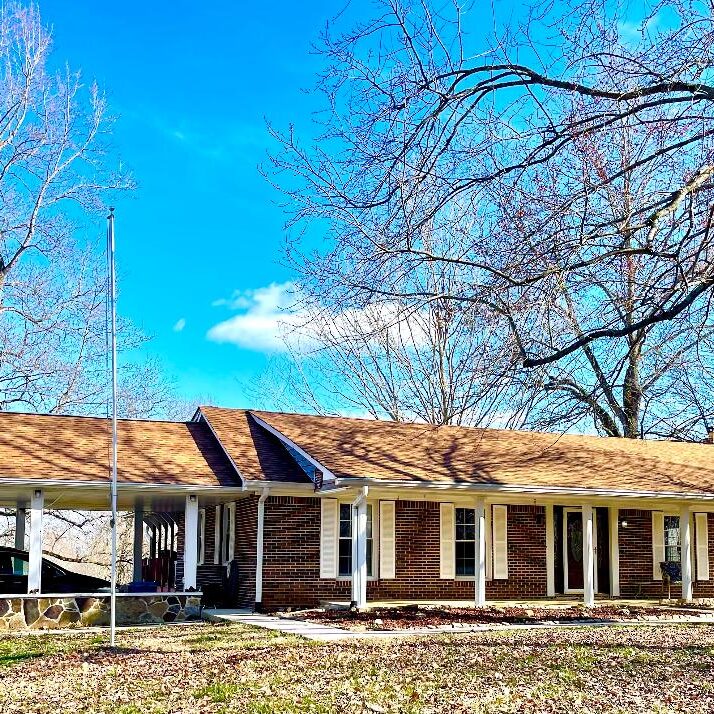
245 549
635 547
291 566
291 560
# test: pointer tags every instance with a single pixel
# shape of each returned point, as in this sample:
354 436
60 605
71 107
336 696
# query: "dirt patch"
420 616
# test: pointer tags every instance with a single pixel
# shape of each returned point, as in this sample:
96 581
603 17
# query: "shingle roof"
363 448
259 455
35 446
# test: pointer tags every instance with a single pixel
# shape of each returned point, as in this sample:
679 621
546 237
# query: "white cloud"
270 319
180 324
264 318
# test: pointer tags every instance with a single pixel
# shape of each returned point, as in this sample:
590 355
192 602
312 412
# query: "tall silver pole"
113 489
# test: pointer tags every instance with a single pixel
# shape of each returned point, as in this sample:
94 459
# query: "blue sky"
201 237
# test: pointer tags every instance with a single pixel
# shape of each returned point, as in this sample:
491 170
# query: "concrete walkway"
288 626
326 633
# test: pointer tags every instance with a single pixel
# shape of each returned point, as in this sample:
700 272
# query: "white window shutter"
702 539
657 544
489 545
447 534
387 543
328 538
500 542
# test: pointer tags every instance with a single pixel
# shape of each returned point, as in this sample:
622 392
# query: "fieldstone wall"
35 613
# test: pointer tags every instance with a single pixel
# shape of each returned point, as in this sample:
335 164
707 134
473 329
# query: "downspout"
259 551
357 586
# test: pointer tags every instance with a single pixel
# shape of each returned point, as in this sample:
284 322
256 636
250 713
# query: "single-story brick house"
292 509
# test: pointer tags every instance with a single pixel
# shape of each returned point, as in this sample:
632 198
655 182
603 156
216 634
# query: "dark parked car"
14 566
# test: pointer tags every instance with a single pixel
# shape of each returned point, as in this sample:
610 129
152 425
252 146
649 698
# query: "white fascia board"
280 488
121 485
517 489
199 416
327 475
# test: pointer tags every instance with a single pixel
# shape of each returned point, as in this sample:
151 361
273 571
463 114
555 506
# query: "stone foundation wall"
35 613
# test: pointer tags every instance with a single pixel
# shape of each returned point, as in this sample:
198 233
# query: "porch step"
334 605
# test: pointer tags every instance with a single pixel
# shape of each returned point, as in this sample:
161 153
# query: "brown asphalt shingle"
364 448
35 446
258 454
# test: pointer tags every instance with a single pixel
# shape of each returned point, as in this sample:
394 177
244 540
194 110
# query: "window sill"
469 578
348 578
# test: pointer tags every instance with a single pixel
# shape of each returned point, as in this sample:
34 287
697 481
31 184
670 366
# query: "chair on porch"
671 573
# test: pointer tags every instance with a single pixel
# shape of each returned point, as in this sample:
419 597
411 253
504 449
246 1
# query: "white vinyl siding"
701 535
447 569
328 537
387 540
500 542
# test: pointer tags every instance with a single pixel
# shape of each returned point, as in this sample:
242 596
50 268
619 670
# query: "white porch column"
685 537
614 518
138 540
480 575
259 551
190 545
549 551
34 575
359 552
588 557
20 525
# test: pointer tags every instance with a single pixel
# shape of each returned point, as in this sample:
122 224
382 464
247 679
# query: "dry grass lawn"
231 668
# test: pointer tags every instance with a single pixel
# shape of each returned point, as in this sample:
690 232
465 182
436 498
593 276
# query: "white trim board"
497 488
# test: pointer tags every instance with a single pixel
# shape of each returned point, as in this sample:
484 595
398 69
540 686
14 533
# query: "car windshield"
12 564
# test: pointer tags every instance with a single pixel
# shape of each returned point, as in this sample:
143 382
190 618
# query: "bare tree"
580 150
440 363
57 176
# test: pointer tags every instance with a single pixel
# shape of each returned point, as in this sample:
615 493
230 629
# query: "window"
465 542
201 535
344 553
672 545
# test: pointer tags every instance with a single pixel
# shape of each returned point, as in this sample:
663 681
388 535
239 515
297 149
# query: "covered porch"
167 549
507 548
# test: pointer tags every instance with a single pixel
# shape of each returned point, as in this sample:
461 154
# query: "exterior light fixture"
38 493
623 524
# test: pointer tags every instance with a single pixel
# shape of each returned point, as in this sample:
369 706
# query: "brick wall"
635 547
245 554
292 556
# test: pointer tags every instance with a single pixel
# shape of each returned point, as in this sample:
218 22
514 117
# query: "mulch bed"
415 616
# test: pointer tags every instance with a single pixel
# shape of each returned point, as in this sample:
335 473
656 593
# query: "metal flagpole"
113 488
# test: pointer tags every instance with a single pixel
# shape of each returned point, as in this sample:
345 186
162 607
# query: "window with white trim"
672 542
344 549
465 542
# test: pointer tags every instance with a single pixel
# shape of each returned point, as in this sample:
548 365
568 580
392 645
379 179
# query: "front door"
573 549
